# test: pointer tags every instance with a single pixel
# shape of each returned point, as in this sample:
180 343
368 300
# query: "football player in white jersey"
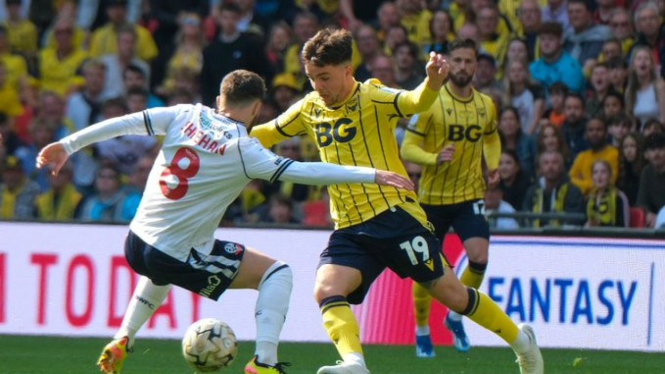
206 160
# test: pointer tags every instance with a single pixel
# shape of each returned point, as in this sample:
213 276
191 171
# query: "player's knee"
479 254
279 272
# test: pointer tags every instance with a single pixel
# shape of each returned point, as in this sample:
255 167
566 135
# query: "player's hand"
388 178
446 154
54 156
437 71
493 178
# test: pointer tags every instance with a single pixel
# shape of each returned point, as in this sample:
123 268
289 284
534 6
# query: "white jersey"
205 162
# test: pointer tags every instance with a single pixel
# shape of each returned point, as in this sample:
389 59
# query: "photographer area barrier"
577 292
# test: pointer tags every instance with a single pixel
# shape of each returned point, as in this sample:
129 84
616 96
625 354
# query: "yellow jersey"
105 41
471 125
359 132
17 69
22 37
61 75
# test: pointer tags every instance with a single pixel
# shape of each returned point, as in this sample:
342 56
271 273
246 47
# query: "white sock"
455 316
146 299
521 344
355 358
422 330
271 308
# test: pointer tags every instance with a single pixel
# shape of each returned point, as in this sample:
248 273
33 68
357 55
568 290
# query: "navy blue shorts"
467 219
207 275
393 239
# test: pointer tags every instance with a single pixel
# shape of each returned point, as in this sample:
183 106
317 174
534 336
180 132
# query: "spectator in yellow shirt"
17 70
59 67
22 32
104 39
415 20
581 173
493 41
10 104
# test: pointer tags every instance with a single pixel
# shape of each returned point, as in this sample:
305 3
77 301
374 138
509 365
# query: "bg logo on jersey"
458 132
341 132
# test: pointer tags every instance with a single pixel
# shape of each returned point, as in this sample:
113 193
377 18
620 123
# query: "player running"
450 140
205 161
376 227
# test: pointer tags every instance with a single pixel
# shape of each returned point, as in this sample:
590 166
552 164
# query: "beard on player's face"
461 79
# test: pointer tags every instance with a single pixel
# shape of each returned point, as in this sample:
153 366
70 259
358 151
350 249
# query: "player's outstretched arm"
260 163
322 173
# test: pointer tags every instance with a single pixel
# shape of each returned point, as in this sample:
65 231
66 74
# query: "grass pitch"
62 355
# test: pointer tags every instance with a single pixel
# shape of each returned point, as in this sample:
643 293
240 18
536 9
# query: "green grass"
41 355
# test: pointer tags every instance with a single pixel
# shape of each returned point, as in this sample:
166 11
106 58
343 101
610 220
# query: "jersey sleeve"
287 125
260 163
147 122
491 139
404 103
412 149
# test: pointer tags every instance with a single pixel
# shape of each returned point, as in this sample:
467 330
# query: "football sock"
484 311
270 311
472 277
342 327
146 299
422 304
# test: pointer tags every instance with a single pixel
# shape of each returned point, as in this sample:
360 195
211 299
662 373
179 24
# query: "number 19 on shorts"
416 245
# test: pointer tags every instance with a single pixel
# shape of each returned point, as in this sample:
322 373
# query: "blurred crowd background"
579 81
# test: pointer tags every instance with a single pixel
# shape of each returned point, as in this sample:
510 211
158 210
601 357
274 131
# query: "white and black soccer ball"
209 345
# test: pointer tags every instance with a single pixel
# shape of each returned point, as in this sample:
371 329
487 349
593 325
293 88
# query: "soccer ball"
209 345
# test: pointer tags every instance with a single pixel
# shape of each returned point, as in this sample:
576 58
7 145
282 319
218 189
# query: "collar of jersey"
223 117
460 99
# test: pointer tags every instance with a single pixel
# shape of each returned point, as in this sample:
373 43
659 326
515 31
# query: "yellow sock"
341 325
473 275
422 303
484 311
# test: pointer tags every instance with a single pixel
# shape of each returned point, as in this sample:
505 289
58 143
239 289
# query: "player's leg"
333 284
147 297
274 281
422 300
481 309
346 271
471 225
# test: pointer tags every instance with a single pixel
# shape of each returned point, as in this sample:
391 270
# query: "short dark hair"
134 69
655 141
616 95
576 96
328 47
597 118
590 5
463 43
551 28
413 49
241 87
558 88
621 119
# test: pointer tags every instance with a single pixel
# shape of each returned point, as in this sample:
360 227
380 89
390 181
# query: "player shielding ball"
206 160
376 227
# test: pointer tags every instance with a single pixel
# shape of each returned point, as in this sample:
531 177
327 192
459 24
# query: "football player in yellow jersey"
353 123
450 140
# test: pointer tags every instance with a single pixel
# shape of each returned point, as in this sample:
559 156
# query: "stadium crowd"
578 86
